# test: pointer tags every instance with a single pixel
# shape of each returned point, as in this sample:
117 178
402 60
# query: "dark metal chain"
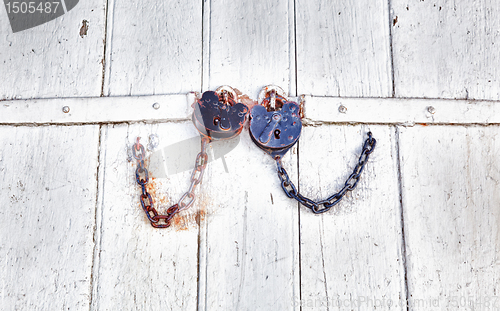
350 184
142 177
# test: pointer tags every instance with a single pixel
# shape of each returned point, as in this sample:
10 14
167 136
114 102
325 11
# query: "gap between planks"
401 211
96 256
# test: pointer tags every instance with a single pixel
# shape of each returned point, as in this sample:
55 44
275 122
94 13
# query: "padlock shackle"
270 95
274 102
226 88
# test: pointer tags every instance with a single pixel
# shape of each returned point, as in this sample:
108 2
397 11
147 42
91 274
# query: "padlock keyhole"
277 134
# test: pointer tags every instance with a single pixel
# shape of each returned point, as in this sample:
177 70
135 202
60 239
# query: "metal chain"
350 184
142 178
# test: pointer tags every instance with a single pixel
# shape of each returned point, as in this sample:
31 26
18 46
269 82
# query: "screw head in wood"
156 106
431 110
342 109
65 109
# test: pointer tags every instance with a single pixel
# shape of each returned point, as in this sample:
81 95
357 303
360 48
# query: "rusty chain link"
350 184
187 199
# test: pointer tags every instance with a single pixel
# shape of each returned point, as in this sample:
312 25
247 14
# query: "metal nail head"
65 109
431 110
342 109
156 106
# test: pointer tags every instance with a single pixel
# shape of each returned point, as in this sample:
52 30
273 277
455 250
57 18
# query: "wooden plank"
351 256
444 49
98 110
250 247
141 267
250 45
53 59
451 217
245 263
153 49
400 111
343 48
48 199
317 109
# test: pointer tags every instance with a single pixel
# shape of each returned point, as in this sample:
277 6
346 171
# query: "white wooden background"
420 232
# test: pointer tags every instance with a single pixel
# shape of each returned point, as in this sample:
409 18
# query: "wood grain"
250 246
343 48
48 211
140 267
317 109
250 45
53 60
450 197
351 256
97 109
249 242
400 111
422 225
153 48
446 49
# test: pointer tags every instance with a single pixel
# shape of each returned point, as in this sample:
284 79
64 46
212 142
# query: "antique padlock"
217 115
275 123
275 126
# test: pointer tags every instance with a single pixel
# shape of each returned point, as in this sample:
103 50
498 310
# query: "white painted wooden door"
420 232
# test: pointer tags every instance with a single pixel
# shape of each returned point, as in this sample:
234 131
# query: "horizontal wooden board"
316 110
97 110
56 59
401 111
450 179
351 256
47 217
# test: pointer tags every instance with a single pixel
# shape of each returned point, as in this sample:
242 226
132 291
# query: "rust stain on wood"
192 218
160 201
84 28
188 219
184 220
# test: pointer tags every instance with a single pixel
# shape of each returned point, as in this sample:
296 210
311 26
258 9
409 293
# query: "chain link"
187 199
350 183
